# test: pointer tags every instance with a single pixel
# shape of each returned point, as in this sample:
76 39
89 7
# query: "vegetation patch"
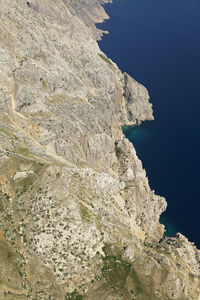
56 99
84 212
45 86
24 151
10 265
116 271
7 132
118 151
26 183
107 60
73 296
61 99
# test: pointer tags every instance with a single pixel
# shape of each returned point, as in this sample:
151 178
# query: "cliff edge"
78 219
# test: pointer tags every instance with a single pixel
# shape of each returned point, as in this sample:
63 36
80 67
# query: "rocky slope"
78 219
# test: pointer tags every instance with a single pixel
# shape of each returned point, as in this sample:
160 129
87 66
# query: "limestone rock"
137 97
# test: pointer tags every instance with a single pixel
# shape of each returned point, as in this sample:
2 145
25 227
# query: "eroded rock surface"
78 219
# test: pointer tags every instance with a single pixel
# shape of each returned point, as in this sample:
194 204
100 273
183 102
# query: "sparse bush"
118 151
73 296
107 60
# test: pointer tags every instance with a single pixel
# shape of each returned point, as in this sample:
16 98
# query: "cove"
158 43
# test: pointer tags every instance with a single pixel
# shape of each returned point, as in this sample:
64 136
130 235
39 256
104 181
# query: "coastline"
163 188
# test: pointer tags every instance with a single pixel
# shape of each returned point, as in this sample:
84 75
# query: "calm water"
158 43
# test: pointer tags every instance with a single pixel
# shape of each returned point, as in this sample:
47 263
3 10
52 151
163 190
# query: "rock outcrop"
78 219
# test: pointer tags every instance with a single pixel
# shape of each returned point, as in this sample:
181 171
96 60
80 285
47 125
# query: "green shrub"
118 151
73 296
107 60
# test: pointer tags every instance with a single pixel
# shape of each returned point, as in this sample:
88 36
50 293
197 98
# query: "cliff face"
78 219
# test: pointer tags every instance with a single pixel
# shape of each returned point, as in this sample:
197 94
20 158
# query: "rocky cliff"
78 219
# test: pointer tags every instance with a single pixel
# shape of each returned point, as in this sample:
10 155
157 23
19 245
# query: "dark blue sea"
158 43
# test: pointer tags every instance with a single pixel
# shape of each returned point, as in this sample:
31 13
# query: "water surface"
158 43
